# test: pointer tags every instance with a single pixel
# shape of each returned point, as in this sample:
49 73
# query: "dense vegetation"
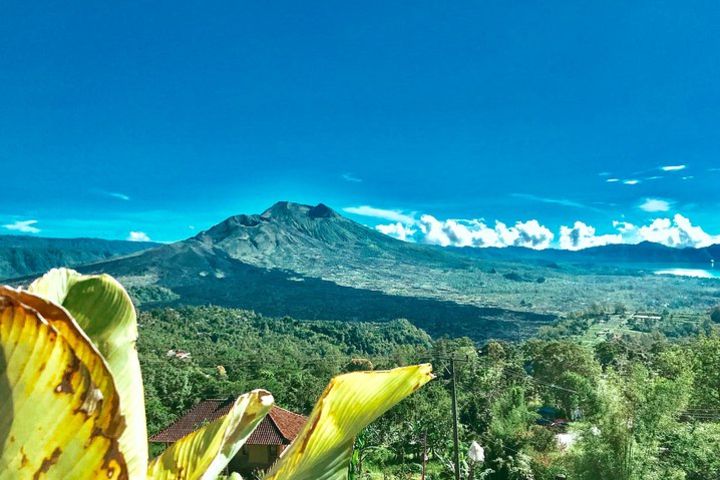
233 351
641 407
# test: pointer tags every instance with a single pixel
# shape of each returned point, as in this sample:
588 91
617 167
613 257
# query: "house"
264 446
179 354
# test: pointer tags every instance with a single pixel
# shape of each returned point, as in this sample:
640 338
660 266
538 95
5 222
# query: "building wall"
254 457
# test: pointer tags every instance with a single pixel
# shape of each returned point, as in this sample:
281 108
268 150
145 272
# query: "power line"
456 442
530 378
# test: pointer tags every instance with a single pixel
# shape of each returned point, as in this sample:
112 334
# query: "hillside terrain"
25 255
196 273
319 243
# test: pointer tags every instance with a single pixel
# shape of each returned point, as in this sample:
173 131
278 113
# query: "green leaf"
59 408
204 453
350 402
104 311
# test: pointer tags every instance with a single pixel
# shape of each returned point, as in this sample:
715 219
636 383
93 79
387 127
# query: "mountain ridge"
630 253
23 255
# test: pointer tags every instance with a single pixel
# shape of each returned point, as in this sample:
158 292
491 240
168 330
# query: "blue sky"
162 118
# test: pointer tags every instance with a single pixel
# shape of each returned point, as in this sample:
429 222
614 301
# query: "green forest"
634 405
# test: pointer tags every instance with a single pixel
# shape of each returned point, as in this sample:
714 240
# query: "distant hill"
641 253
25 255
647 252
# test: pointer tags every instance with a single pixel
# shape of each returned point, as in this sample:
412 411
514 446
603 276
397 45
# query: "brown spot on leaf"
114 459
66 382
47 463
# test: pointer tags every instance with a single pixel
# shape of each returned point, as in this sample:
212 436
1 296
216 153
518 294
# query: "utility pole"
455 420
424 454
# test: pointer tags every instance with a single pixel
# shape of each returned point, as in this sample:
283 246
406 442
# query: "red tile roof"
279 427
290 424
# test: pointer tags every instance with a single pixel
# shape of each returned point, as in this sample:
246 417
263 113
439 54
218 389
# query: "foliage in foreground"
71 396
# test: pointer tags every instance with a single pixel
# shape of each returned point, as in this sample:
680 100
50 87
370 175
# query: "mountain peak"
284 209
322 211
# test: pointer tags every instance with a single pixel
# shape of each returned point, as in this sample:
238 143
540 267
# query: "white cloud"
138 237
554 201
673 168
631 181
612 180
624 227
23 226
120 196
117 195
349 177
527 234
475 233
655 205
581 235
678 232
385 214
397 230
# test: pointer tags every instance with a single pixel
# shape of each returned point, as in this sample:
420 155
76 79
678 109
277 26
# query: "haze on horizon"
456 124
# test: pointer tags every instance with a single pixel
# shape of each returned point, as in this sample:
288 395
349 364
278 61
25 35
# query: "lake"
690 272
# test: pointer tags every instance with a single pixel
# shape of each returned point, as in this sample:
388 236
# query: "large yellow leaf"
104 311
204 453
59 409
349 403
